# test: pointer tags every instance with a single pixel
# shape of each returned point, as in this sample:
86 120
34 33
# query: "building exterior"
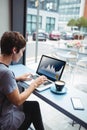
54 14
85 9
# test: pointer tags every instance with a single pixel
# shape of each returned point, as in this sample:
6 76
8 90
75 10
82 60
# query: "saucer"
63 91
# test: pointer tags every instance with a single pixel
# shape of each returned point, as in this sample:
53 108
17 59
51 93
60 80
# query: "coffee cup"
59 85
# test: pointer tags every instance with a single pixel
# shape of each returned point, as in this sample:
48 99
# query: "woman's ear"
14 50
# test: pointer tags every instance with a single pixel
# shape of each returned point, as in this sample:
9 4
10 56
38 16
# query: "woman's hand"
40 80
24 77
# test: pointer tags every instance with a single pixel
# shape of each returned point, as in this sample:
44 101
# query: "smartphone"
77 104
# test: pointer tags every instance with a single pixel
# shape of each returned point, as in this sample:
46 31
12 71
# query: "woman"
15 111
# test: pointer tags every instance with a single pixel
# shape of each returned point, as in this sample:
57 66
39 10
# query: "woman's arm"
18 98
23 77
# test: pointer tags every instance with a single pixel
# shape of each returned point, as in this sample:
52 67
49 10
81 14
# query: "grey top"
8 112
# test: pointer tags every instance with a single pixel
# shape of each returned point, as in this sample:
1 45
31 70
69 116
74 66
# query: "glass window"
28 18
52 21
33 18
51 5
32 22
40 20
31 3
47 20
50 24
33 27
53 14
28 28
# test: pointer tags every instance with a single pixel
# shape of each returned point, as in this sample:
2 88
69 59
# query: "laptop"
50 67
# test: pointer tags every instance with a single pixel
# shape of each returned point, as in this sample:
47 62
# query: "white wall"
4 16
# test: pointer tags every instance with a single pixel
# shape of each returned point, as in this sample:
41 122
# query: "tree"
72 22
80 22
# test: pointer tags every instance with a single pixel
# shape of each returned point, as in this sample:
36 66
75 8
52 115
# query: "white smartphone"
77 104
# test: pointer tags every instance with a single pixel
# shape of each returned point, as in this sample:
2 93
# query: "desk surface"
59 102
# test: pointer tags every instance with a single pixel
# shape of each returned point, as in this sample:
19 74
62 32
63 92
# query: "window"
31 3
31 23
52 5
53 15
50 24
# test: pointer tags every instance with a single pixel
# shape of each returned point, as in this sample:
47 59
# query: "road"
47 47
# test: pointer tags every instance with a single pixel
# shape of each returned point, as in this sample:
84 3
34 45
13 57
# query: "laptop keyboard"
34 76
47 83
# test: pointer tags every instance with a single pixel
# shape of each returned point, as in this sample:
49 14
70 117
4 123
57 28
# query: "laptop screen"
50 67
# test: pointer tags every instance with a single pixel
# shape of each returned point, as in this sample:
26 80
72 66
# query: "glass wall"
53 15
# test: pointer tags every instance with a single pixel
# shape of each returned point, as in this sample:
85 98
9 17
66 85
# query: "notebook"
52 68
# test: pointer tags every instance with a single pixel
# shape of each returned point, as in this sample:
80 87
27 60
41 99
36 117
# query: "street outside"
44 47
48 47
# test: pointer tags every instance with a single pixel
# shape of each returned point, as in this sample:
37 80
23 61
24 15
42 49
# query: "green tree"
72 23
80 22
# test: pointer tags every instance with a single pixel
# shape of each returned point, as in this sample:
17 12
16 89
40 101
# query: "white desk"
60 102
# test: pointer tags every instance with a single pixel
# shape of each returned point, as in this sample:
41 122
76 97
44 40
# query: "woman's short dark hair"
11 39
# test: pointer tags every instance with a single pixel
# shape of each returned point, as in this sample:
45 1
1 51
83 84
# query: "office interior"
13 18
